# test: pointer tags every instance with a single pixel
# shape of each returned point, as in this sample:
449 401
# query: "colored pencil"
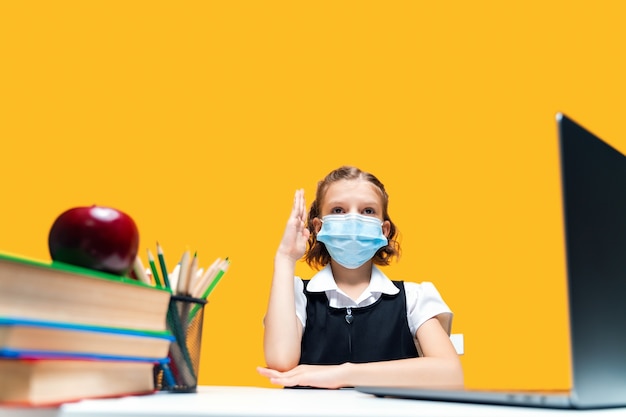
220 274
201 283
161 257
155 273
205 294
168 376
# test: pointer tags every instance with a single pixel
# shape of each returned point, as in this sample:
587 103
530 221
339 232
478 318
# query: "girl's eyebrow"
361 203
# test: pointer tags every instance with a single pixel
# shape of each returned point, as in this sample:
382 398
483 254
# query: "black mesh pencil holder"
184 320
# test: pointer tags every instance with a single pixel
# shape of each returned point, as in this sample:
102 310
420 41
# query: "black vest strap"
378 332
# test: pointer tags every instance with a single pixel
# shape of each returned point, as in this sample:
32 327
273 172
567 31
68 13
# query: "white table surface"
231 401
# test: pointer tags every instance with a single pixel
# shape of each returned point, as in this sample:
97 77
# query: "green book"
56 291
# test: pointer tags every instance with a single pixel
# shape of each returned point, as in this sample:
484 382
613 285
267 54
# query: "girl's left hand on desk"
319 376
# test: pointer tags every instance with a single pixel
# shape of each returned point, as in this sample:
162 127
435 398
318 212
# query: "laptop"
593 181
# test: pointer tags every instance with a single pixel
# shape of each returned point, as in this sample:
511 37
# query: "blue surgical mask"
351 239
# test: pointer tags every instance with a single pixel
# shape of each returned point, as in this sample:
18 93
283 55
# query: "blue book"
39 339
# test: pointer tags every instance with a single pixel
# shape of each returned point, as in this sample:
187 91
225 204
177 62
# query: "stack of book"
69 333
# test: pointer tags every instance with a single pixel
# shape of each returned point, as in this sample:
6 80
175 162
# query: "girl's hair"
317 255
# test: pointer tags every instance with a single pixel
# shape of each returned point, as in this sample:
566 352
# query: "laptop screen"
594 199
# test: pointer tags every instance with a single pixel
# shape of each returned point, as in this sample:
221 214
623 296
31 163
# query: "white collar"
379 283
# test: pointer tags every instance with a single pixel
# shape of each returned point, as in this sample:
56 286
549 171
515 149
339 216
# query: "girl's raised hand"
296 235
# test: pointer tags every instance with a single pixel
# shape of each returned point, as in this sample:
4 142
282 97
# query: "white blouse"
423 301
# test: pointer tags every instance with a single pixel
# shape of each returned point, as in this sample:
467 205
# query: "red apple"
96 237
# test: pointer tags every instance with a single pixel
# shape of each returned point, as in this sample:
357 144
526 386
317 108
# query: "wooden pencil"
174 276
183 274
193 267
140 271
193 280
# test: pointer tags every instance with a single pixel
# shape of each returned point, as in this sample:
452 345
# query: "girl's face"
352 196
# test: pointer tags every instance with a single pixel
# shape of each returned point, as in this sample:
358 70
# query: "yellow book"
42 382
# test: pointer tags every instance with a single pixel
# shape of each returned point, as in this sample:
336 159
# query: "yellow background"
201 118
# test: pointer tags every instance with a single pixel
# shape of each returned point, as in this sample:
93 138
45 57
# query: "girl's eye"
337 210
369 211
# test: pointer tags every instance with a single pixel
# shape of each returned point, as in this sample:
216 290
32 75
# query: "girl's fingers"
294 207
299 209
270 373
302 205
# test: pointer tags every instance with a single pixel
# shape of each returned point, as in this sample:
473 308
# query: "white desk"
213 401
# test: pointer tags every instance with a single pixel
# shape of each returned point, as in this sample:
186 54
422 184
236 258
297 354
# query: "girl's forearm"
414 372
281 340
